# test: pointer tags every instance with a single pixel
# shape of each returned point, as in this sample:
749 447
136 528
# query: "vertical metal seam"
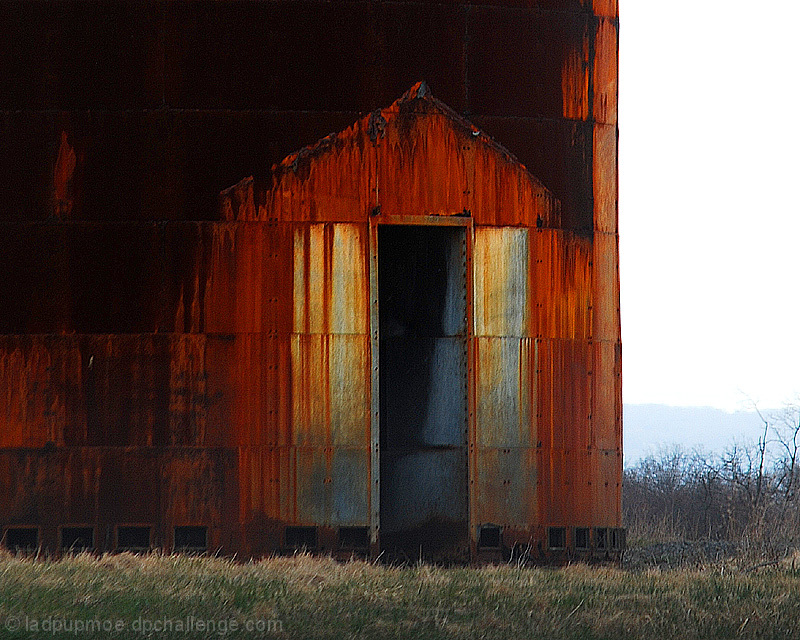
472 485
374 475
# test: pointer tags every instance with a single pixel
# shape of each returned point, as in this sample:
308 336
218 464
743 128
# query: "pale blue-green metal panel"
501 277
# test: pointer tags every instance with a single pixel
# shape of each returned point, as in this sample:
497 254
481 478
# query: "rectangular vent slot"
133 538
354 537
22 538
490 537
301 537
557 537
192 539
582 538
77 538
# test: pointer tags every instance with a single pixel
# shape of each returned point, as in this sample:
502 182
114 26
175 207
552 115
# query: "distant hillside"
646 427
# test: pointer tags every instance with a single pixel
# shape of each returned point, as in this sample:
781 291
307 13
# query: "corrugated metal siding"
551 400
562 284
97 486
505 463
220 372
502 296
413 158
605 308
604 170
330 375
607 8
605 70
330 279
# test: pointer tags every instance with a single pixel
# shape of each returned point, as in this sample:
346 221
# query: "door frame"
375 466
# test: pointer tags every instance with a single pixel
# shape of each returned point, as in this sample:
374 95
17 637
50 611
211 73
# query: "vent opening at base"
133 538
191 539
582 540
301 538
490 537
557 537
77 539
601 539
21 538
354 538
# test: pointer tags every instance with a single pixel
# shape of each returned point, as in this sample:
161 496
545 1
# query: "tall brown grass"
313 597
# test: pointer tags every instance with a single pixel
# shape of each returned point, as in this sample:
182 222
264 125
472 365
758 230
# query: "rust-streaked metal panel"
507 491
564 393
505 388
330 376
604 177
266 484
330 279
331 181
582 484
607 489
225 278
36 383
128 390
605 309
415 157
504 193
568 486
125 380
502 295
561 280
554 508
189 400
231 278
256 367
332 486
424 164
607 396
195 486
575 81
605 72
580 487
556 151
330 390
246 288
103 487
606 8
516 58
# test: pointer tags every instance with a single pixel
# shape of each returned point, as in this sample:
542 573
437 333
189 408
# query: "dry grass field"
125 596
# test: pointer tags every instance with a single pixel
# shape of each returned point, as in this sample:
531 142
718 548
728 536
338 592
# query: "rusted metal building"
400 339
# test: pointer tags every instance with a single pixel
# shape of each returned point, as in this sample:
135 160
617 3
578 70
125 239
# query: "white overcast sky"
709 159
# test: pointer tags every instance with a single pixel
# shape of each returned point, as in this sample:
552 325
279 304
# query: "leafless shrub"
748 495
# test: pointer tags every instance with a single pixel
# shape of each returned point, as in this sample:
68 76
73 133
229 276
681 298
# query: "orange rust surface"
605 72
238 395
604 178
606 8
575 82
416 157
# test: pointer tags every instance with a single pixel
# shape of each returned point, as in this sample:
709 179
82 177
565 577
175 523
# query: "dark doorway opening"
422 284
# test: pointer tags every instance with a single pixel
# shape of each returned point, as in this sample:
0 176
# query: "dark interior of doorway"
422 284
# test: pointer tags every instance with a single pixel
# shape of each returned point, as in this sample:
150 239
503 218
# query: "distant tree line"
748 495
